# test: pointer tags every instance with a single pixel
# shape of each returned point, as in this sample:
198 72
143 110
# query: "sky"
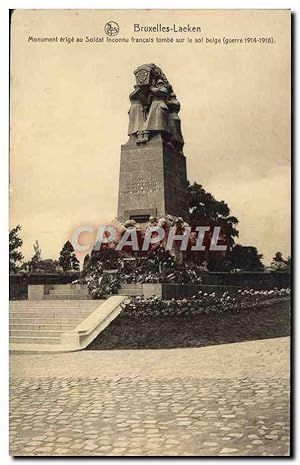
69 117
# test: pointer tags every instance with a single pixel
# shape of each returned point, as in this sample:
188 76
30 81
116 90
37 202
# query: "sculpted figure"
175 123
154 108
137 112
158 116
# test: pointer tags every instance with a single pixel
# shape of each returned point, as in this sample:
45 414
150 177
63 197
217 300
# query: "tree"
279 263
67 259
48 266
246 258
43 266
15 256
205 210
278 258
37 265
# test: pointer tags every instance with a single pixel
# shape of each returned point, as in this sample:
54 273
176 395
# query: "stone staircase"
44 321
55 295
131 289
67 292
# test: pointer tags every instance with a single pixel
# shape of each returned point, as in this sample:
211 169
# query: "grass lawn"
164 332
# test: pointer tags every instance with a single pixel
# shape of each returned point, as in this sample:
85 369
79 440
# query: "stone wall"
248 279
58 291
18 283
211 282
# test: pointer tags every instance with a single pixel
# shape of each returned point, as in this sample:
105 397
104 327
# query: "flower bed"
205 303
165 331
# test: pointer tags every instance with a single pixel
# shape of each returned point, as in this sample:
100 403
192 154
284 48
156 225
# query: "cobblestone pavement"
178 412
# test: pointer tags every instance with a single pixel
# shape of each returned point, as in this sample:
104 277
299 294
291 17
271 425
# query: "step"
64 297
47 337
63 293
34 340
42 326
68 287
61 308
135 289
37 321
132 286
129 292
56 303
56 316
49 315
46 310
43 322
35 333
54 308
57 310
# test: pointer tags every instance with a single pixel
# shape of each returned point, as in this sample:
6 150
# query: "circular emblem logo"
111 28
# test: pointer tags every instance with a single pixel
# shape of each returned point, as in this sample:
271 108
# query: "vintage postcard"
149 244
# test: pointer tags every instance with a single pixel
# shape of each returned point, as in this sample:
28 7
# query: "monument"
153 180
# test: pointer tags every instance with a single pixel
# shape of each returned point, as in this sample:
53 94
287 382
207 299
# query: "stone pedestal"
153 181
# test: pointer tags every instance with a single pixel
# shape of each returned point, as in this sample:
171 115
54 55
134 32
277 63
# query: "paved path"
219 400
